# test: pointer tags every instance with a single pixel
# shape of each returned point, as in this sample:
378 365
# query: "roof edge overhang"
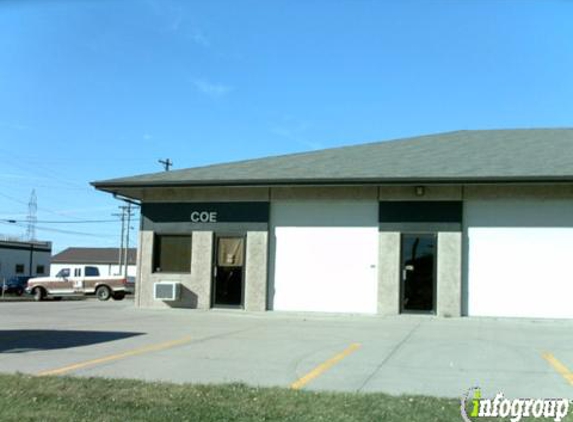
124 188
111 186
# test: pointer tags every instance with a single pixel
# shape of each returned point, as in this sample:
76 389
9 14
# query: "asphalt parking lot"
405 354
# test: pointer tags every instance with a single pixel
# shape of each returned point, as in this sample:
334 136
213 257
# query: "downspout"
128 200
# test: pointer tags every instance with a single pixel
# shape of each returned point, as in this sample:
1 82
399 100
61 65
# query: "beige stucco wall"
324 193
256 271
537 192
389 273
431 193
449 274
195 286
492 191
205 194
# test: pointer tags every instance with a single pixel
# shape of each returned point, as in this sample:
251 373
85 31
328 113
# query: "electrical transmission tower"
32 217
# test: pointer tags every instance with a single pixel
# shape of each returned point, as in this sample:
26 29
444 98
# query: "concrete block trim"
389 273
449 274
256 283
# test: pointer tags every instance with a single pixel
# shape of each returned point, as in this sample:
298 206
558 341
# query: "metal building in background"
18 258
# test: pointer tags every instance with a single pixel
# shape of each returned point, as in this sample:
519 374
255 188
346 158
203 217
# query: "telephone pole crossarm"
167 163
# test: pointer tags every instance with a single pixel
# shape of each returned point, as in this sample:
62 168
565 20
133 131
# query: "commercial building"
106 260
18 258
461 223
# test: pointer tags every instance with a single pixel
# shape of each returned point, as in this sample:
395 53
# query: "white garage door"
325 256
520 258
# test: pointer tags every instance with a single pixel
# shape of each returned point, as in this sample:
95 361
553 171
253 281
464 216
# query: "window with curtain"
230 252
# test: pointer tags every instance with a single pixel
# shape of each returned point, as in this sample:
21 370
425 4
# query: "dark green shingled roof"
464 156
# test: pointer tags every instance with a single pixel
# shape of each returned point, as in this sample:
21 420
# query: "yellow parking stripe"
134 352
323 367
559 367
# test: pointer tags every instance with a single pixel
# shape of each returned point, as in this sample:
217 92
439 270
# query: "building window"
19 268
172 254
40 269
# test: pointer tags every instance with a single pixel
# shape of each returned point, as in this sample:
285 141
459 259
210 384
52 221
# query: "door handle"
405 271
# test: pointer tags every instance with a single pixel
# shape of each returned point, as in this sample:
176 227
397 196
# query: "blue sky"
92 90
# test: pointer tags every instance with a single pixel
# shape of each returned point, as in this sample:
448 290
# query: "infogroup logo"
474 406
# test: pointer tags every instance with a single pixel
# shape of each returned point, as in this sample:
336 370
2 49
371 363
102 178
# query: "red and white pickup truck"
80 282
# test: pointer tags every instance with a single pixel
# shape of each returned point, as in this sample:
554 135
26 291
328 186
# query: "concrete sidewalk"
405 354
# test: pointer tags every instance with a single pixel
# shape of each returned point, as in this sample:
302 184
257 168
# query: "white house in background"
105 259
24 258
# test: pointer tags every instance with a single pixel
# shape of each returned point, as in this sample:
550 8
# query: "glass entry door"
418 263
228 271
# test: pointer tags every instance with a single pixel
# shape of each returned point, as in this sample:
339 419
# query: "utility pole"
120 257
166 163
123 258
128 212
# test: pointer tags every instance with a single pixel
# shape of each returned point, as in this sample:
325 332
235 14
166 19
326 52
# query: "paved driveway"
405 354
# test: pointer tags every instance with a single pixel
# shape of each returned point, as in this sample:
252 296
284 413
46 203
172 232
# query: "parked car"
81 282
16 285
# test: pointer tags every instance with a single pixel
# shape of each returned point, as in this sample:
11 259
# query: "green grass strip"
27 398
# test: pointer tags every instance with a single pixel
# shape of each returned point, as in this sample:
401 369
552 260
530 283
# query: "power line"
49 229
61 214
39 168
11 220
30 183
13 199
41 209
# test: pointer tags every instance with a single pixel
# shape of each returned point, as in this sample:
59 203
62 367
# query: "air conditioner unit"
166 290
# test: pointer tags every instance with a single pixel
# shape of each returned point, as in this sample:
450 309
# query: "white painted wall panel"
519 257
325 256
